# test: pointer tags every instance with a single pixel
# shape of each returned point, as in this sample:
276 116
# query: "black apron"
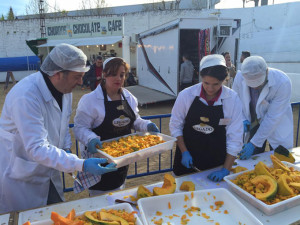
207 150
119 118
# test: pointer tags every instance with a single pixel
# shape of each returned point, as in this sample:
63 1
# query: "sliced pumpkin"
238 169
58 219
89 215
283 186
187 186
262 169
278 164
284 154
71 215
111 217
295 185
169 186
268 188
27 223
143 192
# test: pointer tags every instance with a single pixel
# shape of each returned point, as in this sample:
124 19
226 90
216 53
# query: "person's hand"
247 151
151 127
218 175
92 165
95 142
187 159
246 126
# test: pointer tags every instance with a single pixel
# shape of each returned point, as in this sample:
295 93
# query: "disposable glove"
218 175
246 126
247 151
92 165
187 159
93 144
151 127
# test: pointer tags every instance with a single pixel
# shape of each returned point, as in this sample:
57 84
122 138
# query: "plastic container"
141 154
124 206
267 209
204 199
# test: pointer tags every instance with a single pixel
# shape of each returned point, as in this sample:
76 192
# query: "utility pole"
42 18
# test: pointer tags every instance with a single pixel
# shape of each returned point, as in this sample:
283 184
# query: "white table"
200 180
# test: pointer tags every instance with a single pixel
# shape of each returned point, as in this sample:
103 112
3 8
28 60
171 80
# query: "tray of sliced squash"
111 215
270 188
135 147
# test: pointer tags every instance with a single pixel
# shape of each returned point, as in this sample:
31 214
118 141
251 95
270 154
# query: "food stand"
40 215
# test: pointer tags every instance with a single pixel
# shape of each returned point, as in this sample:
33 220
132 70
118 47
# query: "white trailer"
160 50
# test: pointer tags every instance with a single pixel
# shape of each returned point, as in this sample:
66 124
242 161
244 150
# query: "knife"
122 201
195 168
76 179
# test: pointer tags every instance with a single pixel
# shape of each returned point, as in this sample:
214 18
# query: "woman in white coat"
109 111
267 111
34 136
207 122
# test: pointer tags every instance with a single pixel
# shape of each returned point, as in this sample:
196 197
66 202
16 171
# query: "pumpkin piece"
143 192
278 164
89 215
262 169
105 216
27 223
169 186
268 188
238 169
283 186
283 154
187 186
295 185
58 219
71 215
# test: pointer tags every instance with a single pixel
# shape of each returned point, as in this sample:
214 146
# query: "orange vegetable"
169 205
58 219
71 215
27 223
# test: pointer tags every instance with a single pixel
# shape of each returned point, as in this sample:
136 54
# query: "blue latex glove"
93 144
92 165
187 159
218 175
151 127
246 126
68 150
247 151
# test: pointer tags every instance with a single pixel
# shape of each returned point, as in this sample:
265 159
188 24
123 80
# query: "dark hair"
218 72
112 67
99 57
246 54
224 53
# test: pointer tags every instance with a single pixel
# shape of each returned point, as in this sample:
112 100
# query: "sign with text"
92 28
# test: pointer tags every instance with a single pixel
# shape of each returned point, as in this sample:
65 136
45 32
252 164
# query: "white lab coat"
273 109
232 109
90 114
33 131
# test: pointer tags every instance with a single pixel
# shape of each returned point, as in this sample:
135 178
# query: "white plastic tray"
124 206
267 209
141 154
4 219
237 213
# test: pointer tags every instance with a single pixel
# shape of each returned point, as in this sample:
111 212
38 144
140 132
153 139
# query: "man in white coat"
265 94
34 137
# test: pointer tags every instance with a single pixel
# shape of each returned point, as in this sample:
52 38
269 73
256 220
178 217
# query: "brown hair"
111 68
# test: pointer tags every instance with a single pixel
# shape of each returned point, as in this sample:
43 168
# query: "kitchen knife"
122 201
76 179
195 168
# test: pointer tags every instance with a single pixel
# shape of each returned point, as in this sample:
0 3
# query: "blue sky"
20 5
